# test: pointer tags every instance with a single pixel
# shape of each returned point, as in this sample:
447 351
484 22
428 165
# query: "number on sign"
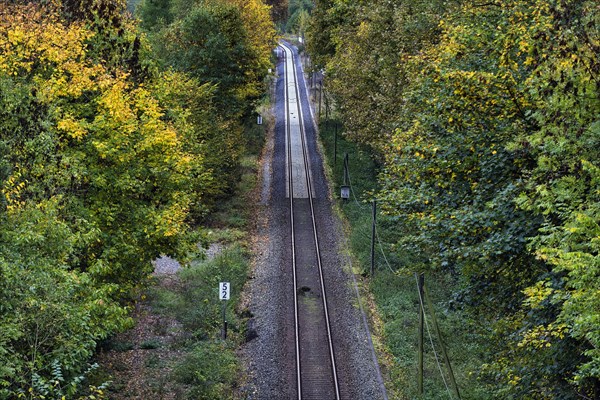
224 291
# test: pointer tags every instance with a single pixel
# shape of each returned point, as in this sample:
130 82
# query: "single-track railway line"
316 372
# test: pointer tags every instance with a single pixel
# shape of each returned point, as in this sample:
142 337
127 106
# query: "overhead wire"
381 249
437 360
376 230
421 303
379 376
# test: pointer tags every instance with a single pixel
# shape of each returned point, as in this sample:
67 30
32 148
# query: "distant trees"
224 46
298 14
226 43
279 10
486 119
106 161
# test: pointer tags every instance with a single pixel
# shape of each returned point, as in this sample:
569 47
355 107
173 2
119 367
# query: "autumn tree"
96 182
486 117
368 44
224 46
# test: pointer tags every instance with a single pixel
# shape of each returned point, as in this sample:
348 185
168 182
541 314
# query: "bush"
211 368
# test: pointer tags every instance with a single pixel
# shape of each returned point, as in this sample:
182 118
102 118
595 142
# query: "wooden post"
420 285
373 232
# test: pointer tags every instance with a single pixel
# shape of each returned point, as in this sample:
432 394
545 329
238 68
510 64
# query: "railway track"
316 373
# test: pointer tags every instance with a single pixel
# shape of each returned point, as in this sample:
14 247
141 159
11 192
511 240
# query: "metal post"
345 168
421 281
320 97
373 237
224 321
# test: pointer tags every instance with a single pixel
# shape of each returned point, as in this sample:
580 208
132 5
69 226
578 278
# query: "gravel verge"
269 357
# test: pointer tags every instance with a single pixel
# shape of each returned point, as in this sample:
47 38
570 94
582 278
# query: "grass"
208 367
184 355
394 291
194 300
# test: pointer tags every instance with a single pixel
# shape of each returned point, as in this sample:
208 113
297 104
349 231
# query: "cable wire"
437 360
352 189
381 248
376 230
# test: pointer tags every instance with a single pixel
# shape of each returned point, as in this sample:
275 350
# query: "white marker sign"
224 291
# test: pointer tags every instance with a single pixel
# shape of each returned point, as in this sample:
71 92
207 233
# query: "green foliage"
188 358
371 42
279 10
204 135
320 43
155 14
213 47
58 388
486 117
218 52
105 162
195 303
103 167
394 290
299 12
225 43
50 316
210 369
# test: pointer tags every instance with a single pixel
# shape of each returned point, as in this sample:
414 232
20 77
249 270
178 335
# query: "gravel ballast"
270 356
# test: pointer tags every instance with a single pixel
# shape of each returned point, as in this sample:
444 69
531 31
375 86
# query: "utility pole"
346 161
373 233
327 109
320 97
421 281
345 188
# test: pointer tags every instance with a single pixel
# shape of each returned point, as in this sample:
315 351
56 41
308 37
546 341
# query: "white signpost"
224 293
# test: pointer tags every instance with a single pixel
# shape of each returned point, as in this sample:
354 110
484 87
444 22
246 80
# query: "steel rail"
314 223
293 240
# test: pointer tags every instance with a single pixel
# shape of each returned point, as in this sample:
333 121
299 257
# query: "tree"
486 119
299 11
221 47
96 182
226 43
279 10
372 42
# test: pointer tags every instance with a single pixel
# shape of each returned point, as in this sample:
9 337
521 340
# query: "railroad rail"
316 373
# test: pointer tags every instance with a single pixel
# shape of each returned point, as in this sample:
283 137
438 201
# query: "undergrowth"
188 358
394 287
208 367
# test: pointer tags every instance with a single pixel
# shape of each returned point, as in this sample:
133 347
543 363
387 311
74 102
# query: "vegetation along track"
315 357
